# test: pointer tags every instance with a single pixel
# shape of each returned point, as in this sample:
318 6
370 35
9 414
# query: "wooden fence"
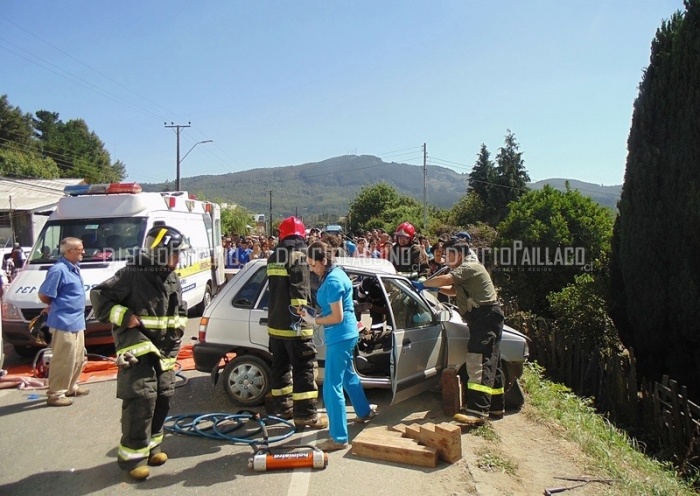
658 414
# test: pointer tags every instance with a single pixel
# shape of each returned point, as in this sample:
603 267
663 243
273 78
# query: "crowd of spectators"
239 250
374 243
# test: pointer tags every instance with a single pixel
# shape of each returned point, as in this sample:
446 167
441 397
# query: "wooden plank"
390 446
446 438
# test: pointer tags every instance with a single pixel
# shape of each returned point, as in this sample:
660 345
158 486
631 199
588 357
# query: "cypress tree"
511 176
481 183
655 266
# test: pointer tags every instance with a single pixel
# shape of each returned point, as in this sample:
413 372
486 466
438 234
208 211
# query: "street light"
177 185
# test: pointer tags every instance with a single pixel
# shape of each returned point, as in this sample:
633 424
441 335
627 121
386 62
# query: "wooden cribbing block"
451 386
447 438
381 443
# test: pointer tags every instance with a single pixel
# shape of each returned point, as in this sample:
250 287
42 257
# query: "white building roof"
32 194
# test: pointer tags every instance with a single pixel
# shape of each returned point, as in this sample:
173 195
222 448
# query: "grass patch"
611 450
492 461
487 432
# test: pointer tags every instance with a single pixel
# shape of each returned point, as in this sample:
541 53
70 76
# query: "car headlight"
11 312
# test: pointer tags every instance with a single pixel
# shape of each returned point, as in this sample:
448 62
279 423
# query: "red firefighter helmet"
291 226
406 229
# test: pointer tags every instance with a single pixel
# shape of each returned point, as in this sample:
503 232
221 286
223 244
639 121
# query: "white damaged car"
407 352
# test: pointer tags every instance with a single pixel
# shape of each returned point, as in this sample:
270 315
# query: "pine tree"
655 267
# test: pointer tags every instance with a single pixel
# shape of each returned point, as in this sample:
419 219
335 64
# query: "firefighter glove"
126 360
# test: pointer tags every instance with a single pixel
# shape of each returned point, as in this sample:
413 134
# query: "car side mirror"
444 315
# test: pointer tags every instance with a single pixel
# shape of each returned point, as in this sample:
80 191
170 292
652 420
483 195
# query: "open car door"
418 341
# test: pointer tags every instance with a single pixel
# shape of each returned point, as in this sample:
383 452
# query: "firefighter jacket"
288 277
154 294
409 258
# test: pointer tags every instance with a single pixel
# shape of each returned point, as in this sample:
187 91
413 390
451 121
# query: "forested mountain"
327 187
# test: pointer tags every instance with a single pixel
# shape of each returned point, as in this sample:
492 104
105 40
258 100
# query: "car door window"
409 310
248 294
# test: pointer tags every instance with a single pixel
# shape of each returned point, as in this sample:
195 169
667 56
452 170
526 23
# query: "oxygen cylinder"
264 461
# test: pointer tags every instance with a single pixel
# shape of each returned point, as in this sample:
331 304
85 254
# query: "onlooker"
350 247
334 296
63 290
229 251
9 267
143 301
18 259
293 383
384 246
477 301
241 256
362 251
373 250
437 261
256 251
265 250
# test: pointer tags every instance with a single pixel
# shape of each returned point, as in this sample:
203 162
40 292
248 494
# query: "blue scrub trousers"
339 374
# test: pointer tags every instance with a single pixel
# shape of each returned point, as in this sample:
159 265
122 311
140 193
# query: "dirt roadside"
522 458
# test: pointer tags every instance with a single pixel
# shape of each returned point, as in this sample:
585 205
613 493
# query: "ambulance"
112 221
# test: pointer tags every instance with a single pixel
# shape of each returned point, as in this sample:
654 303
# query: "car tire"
246 380
206 300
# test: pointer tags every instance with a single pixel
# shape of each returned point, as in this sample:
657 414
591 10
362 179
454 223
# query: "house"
25 205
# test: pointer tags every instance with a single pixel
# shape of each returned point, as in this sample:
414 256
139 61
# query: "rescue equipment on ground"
41 363
265 460
222 426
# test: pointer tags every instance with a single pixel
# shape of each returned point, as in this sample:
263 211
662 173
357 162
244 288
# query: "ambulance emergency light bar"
102 189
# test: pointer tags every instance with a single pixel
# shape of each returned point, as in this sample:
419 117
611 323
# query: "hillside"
605 195
327 187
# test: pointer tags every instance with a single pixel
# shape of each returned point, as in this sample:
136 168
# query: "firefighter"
294 391
406 256
143 301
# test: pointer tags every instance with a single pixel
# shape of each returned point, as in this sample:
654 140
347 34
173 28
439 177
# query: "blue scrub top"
336 286
64 285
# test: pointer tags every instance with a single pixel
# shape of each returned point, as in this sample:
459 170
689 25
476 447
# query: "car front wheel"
247 380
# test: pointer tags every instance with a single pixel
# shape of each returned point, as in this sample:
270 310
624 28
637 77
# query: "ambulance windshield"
104 240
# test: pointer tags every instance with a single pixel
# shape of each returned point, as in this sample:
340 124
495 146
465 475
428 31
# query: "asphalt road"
72 450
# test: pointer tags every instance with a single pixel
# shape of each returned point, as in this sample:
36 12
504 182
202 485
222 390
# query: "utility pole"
178 128
425 189
270 231
12 224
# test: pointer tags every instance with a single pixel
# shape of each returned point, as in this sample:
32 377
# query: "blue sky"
285 83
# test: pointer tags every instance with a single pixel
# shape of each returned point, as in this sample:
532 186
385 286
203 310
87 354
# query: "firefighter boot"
140 473
157 459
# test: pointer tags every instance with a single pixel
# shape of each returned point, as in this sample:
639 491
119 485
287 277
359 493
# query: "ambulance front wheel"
206 299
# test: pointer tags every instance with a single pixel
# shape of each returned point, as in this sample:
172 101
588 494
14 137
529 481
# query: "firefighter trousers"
484 381
143 411
294 390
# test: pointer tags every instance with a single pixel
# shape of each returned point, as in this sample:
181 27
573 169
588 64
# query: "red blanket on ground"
23 377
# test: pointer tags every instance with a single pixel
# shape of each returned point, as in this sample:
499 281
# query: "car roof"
370 264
